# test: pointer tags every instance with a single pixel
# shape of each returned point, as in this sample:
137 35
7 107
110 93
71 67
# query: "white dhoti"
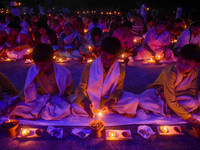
151 102
127 104
46 107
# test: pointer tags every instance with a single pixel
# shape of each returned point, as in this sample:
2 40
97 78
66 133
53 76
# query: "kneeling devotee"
49 101
175 86
101 85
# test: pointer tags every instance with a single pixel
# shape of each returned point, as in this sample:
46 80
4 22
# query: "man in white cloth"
189 36
101 85
49 101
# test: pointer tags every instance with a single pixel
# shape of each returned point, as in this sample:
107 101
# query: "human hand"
88 107
110 103
194 122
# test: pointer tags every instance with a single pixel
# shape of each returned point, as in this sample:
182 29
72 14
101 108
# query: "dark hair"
127 24
111 45
41 24
42 52
190 52
96 31
14 25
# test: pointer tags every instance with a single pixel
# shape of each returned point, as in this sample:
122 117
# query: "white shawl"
98 86
62 75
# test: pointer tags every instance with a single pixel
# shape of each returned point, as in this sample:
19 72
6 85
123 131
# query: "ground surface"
137 77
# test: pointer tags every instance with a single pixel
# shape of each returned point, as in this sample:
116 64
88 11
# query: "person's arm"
148 48
81 90
7 86
170 97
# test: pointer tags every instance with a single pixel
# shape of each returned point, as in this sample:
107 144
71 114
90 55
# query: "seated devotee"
70 41
177 28
56 27
95 23
101 85
3 25
125 36
156 44
190 35
17 43
138 26
80 27
92 43
115 24
46 35
7 90
3 39
46 89
175 86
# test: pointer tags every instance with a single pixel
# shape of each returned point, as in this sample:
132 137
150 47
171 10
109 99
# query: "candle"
147 9
8 59
112 134
158 57
100 114
25 132
135 41
54 57
123 56
85 30
163 129
102 13
151 60
89 60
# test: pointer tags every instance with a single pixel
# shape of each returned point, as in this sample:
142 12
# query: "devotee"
92 43
17 43
49 99
69 41
101 85
115 24
95 23
138 26
176 86
7 90
190 35
156 43
46 35
125 36
56 27
3 39
14 5
80 27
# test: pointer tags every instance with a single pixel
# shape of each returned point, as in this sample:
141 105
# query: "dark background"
108 4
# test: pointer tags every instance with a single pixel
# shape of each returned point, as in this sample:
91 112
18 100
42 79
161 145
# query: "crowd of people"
79 35
48 85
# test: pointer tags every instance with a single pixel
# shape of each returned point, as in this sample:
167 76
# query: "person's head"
60 18
126 27
68 29
110 50
2 19
43 57
56 22
161 26
196 28
188 58
14 29
95 20
96 33
138 20
42 28
3 37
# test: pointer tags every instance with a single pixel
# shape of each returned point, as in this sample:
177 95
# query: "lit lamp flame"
25 132
89 60
151 60
135 41
100 114
122 55
85 30
112 134
147 9
163 129
8 59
